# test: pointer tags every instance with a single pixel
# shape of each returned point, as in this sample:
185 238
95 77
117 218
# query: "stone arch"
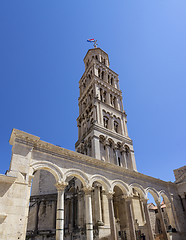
127 146
165 196
104 181
51 167
123 186
138 188
153 192
78 174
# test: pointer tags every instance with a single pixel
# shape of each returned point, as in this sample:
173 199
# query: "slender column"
130 218
98 205
96 148
106 219
162 221
125 158
60 211
88 217
79 210
107 152
112 218
125 126
122 126
147 218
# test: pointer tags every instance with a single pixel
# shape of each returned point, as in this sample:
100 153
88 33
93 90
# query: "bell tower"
102 121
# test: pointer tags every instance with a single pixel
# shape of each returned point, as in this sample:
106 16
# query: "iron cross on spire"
95 44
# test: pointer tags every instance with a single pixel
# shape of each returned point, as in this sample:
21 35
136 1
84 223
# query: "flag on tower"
91 40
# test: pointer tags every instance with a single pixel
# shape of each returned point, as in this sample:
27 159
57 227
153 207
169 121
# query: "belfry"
95 192
102 121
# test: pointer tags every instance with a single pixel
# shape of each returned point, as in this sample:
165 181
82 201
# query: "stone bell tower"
102 121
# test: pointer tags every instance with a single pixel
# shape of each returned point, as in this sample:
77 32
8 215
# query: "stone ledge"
48 148
7 179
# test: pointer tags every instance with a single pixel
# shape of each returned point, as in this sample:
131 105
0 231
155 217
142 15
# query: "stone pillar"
96 148
125 159
60 211
106 219
183 200
107 152
112 218
111 123
88 217
170 214
98 205
147 218
125 127
163 227
128 201
80 210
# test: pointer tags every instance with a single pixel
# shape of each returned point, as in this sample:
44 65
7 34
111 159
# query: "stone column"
96 148
183 200
128 201
60 211
106 219
107 151
147 218
125 158
88 217
163 227
98 205
112 218
125 126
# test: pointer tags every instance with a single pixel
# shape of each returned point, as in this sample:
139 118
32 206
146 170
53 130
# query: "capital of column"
87 190
128 198
109 194
60 186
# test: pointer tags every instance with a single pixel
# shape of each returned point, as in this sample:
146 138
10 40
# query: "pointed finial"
95 44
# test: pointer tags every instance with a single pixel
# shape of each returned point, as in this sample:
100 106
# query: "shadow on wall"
4 188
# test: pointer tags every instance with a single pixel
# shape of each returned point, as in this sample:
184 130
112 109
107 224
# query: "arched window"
108 78
96 57
101 94
105 121
99 73
119 161
116 125
111 81
111 99
102 75
104 96
114 102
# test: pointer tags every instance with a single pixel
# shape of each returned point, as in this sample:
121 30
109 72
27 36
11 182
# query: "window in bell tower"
111 81
116 126
99 73
104 96
105 121
102 75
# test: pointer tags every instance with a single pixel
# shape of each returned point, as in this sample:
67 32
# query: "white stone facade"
94 193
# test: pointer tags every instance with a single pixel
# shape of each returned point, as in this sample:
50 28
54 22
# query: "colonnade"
105 214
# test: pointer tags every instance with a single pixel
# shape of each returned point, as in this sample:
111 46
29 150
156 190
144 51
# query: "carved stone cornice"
59 152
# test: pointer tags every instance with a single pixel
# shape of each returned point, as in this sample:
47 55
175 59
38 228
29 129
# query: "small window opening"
119 161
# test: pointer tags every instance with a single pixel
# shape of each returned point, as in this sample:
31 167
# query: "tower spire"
102 121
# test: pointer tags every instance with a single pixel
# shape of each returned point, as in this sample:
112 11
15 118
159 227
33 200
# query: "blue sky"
42 46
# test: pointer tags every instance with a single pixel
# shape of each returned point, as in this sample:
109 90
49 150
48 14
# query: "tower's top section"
98 54
102 121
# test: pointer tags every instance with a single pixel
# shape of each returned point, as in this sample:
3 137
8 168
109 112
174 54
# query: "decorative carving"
61 186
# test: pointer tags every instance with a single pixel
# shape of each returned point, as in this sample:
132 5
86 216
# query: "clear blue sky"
42 46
